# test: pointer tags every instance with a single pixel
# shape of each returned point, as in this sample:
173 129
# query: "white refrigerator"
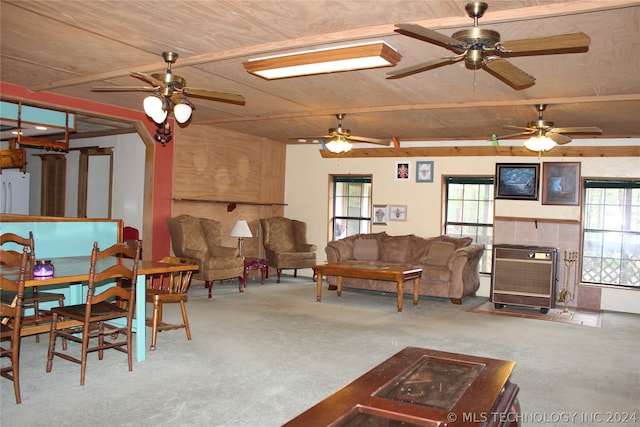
14 192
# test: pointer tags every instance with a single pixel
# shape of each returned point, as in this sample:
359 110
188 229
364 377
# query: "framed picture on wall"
561 183
403 171
517 181
380 214
397 212
424 171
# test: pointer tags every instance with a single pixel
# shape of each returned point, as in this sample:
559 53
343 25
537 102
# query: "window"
611 233
351 206
469 212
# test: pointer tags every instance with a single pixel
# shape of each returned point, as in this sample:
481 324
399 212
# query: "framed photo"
424 171
517 181
561 183
403 171
397 212
380 214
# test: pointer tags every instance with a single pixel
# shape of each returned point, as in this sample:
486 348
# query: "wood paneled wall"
219 166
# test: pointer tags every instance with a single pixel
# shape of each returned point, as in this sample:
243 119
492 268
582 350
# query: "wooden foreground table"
422 387
391 272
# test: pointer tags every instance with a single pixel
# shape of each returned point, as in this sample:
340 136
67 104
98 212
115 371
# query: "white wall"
307 195
128 177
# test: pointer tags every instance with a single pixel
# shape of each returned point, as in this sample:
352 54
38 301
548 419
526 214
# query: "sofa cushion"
394 248
439 253
365 249
458 242
418 249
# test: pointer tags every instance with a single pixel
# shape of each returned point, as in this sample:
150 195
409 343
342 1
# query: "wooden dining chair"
10 331
32 297
166 288
98 317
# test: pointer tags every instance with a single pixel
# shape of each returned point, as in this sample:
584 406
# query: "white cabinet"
14 192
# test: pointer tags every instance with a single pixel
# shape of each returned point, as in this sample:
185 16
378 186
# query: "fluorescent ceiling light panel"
329 60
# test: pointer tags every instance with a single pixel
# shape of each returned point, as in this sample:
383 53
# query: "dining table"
73 271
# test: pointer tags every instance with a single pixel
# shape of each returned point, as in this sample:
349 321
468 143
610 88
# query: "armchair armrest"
222 251
307 247
194 253
463 264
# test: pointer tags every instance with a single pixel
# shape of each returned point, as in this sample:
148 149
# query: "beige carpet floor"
261 357
558 314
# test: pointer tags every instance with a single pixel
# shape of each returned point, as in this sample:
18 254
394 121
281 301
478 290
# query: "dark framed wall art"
561 183
517 181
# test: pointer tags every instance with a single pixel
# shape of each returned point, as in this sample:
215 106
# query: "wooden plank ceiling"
67 46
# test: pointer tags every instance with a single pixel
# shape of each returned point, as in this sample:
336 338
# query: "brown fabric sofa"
449 264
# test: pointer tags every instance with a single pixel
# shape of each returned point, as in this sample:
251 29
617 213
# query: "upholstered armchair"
285 243
200 239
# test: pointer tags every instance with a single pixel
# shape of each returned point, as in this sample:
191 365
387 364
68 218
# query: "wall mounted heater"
524 276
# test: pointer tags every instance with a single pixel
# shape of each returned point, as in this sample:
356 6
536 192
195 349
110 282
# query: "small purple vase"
43 268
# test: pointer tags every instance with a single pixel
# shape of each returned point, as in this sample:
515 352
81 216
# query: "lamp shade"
539 143
152 105
241 229
338 145
182 112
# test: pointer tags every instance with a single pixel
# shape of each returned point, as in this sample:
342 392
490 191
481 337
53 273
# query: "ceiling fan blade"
541 44
418 68
147 78
585 129
508 72
524 129
425 34
514 135
230 98
369 140
308 138
122 88
558 138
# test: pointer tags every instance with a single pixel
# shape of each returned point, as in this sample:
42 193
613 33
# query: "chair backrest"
187 236
11 257
284 234
173 282
13 310
130 233
114 258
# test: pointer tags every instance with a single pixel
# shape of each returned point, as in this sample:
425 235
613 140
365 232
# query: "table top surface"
363 269
76 269
415 384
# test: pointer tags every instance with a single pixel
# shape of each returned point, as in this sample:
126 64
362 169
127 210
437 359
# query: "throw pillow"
439 253
365 250
394 248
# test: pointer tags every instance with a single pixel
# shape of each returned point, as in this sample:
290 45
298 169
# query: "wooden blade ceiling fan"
482 48
543 128
171 91
341 138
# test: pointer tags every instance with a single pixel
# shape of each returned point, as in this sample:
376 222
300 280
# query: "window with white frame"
611 232
469 212
351 205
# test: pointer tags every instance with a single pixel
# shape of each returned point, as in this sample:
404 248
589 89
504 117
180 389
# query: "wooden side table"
255 264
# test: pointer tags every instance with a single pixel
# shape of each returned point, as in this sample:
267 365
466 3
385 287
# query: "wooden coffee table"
423 387
390 272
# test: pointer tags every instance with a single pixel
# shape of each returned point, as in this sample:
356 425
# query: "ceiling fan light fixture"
152 105
338 145
182 112
330 60
539 143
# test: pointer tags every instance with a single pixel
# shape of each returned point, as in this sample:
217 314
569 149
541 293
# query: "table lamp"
240 230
